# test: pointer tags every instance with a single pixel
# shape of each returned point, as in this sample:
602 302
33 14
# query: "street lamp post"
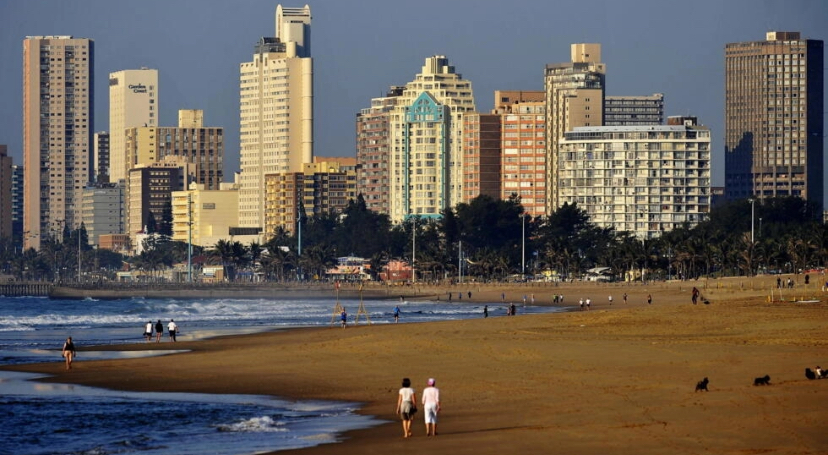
79 254
752 218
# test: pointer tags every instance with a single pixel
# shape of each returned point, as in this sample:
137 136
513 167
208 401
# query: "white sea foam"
263 424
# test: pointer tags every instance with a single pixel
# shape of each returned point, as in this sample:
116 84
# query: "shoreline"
582 381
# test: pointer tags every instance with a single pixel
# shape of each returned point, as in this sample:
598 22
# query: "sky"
361 48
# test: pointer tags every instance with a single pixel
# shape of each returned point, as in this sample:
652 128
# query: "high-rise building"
150 196
102 157
58 88
5 193
373 145
481 155
574 97
17 201
103 204
774 116
427 131
634 110
276 129
322 187
523 144
133 102
639 179
202 147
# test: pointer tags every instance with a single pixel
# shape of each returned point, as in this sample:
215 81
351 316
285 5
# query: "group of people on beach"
407 406
172 329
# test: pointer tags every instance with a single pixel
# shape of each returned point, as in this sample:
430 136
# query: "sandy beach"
616 379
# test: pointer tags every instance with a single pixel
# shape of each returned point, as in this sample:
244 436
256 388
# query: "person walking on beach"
69 352
610 299
581 303
588 303
397 313
148 332
172 328
649 299
625 297
159 330
406 406
485 311
502 297
343 318
512 310
431 407
695 296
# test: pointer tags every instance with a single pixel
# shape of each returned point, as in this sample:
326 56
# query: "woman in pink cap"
431 406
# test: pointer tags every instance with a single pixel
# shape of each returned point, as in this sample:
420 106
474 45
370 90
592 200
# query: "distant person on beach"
485 311
512 309
625 297
610 299
503 297
397 313
172 328
148 332
343 318
159 330
581 303
778 283
406 406
431 407
695 297
588 303
649 299
469 294
69 352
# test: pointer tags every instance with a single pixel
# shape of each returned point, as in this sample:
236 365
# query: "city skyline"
359 50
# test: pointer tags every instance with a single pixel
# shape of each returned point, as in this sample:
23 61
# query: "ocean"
41 419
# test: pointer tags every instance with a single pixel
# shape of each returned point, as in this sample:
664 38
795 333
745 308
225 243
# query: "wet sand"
616 379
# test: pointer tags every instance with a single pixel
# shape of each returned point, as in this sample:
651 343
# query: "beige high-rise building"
774 118
276 99
133 102
427 133
574 97
58 84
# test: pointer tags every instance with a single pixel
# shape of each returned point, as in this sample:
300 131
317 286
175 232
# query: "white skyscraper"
276 102
133 102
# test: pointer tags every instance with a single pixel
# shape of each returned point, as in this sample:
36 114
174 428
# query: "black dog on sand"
702 385
765 380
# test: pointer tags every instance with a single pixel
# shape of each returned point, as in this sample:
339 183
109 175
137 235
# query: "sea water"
40 419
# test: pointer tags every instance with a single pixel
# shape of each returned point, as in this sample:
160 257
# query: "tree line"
486 238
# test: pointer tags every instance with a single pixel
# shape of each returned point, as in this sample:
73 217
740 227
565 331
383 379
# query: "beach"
617 378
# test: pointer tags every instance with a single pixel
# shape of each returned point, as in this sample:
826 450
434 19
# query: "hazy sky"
360 48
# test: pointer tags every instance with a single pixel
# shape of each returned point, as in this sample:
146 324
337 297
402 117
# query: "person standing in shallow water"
172 327
406 406
69 352
485 311
148 332
159 330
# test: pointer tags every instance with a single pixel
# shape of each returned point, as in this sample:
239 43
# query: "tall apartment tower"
774 118
481 155
5 193
644 180
133 102
427 130
373 145
276 100
17 201
101 157
574 97
58 82
523 144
